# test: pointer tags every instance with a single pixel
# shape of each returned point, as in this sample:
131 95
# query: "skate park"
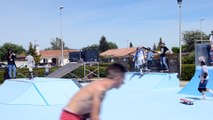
153 96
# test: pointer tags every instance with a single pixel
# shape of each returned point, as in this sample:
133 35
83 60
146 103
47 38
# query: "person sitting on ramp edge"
89 98
204 77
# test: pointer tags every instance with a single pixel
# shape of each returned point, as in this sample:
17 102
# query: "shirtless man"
89 98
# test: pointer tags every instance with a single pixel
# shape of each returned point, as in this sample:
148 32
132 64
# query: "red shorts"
70 116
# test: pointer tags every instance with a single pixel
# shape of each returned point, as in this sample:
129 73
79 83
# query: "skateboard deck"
186 102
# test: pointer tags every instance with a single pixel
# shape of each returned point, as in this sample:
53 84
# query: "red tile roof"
122 52
50 53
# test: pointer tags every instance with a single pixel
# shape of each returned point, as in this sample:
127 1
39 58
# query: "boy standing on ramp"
139 59
89 98
30 64
204 77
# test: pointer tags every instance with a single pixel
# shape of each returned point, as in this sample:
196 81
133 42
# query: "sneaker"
204 98
167 70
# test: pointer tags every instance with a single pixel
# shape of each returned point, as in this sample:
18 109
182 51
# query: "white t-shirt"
140 55
47 67
30 61
204 69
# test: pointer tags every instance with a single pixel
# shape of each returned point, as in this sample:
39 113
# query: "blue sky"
142 22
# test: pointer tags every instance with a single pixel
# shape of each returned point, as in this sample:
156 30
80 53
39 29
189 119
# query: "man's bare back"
81 103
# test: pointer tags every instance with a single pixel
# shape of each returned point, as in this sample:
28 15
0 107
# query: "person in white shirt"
204 78
30 64
139 59
47 67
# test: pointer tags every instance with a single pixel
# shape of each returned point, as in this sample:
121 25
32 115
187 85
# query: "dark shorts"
202 86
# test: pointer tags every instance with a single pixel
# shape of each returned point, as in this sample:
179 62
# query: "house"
119 53
54 56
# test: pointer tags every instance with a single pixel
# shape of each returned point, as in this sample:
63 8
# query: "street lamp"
201 37
62 47
180 49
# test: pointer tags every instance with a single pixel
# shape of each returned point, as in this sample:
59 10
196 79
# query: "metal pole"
62 46
180 36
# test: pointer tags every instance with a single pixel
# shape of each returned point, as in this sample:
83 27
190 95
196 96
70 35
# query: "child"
139 59
204 77
89 98
47 67
149 58
30 64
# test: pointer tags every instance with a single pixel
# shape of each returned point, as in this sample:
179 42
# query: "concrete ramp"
39 91
140 96
192 87
44 98
150 81
62 71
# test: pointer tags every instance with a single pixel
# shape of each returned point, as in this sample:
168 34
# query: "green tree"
189 59
103 44
159 43
175 49
112 45
56 44
154 48
91 47
189 37
17 49
32 51
130 44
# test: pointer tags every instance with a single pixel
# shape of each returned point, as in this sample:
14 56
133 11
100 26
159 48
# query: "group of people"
11 69
144 56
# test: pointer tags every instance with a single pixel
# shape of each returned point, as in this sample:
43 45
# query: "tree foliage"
17 49
103 44
56 44
130 44
154 47
189 59
112 45
159 44
175 49
189 38
91 47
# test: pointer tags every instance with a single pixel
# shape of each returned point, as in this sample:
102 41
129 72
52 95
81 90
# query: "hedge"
24 71
188 71
78 72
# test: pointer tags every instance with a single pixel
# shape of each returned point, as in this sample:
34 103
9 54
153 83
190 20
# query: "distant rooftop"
51 53
122 52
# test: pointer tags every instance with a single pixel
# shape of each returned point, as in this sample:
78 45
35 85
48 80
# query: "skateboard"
186 102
